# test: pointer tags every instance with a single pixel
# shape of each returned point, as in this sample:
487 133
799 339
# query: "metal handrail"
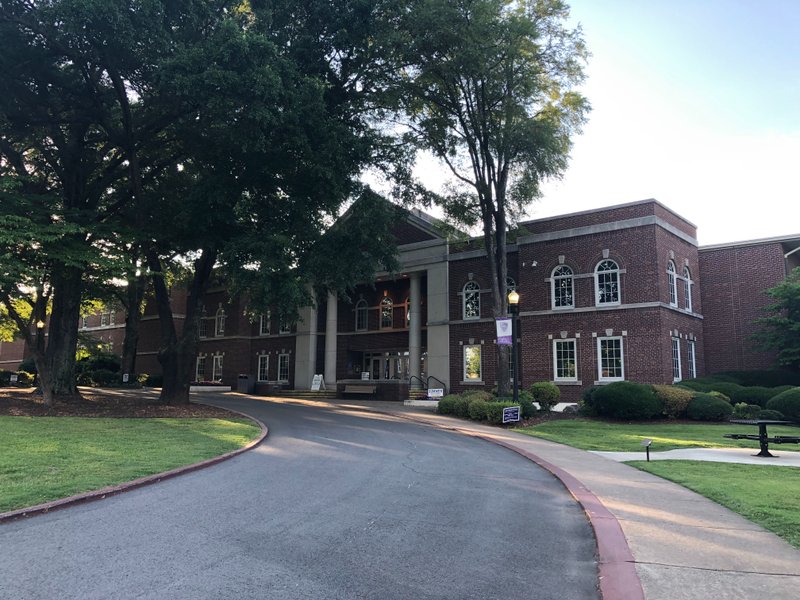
421 382
444 386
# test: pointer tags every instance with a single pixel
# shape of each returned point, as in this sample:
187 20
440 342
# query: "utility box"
245 384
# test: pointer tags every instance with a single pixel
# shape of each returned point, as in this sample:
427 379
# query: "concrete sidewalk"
781 457
684 546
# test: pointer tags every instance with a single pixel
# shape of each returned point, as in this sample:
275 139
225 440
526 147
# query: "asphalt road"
334 505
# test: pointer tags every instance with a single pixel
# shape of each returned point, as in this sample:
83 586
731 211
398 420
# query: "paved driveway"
334 505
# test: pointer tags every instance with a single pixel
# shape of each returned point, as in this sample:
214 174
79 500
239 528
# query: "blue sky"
696 104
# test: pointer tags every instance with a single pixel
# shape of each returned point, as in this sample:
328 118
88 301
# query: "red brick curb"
136 483
617 575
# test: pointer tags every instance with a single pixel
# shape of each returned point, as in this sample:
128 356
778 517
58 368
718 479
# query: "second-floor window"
606 278
672 284
471 301
361 315
219 323
563 289
387 313
687 289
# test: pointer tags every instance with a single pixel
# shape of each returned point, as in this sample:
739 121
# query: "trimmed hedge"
446 405
770 415
770 378
755 395
675 400
705 407
788 403
746 411
627 400
546 393
477 409
494 411
478 394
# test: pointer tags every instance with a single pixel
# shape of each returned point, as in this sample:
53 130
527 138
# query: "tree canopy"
780 332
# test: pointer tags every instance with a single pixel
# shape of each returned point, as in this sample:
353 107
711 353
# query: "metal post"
515 349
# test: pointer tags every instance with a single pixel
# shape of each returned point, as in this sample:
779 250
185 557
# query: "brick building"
615 293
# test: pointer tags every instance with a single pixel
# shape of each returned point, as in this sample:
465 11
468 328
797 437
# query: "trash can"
245 384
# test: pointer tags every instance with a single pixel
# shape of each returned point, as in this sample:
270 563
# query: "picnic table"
762 438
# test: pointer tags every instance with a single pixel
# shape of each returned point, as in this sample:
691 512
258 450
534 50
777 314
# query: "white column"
414 329
305 347
331 325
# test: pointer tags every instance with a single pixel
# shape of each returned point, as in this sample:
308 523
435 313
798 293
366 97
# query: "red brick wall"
734 281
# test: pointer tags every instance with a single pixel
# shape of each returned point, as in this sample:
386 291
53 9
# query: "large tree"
489 90
780 332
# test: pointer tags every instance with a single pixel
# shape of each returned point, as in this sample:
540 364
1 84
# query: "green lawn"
46 458
589 434
769 496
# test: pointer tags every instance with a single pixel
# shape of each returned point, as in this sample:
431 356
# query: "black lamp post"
513 306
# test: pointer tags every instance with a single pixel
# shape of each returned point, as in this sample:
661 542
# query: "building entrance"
389 365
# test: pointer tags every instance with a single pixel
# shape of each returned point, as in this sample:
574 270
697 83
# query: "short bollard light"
646 443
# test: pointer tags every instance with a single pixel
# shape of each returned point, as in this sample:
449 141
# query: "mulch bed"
103 403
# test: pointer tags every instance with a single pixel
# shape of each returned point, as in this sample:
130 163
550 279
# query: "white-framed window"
387 313
606 280
200 369
219 323
672 284
472 362
676 359
471 300
263 367
216 368
104 319
112 318
362 315
284 326
283 368
691 364
562 288
84 322
610 359
263 324
511 285
565 360
687 289
203 327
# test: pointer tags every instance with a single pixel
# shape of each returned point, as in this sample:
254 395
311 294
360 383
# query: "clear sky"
696 103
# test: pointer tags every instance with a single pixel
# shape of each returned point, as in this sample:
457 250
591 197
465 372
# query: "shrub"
25 378
526 404
705 407
675 399
5 377
754 395
101 361
770 378
478 394
461 406
770 415
746 411
726 388
494 411
28 365
546 393
477 409
627 400
154 381
720 395
103 377
586 406
788 403
446 404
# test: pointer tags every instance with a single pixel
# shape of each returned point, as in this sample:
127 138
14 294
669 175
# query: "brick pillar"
414 329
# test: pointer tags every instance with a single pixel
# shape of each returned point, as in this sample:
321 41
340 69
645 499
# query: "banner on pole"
504 336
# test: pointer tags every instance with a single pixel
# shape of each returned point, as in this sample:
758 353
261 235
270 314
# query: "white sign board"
435 393
317 383
364 375
511 414
14 378
125 377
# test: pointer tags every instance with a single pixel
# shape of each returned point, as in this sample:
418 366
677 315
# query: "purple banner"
504 337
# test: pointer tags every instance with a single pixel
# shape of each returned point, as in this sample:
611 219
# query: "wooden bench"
360 389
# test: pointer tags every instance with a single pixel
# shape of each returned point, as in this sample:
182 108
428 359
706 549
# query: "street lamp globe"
39 324
513 297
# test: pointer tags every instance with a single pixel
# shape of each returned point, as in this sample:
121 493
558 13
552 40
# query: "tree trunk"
133 305
58 374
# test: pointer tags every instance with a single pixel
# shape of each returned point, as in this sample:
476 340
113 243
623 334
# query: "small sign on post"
364 375
435 393
504 335
126 377
511 414
14 378
317 382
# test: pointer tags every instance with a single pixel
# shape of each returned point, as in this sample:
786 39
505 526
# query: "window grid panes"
511 285
607 281
563 288
610 359
263 367
200 369
263 324
387 316
676 359
216 371
691 362
687 289
219 323
565 360
361 315
673 288
472 363
203 329
472 300
283 368
284 327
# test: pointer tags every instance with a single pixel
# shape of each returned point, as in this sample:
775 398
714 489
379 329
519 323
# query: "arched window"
219 323
672 284
387 310
562 288
471 301
687 289
606 280
511 285
361 315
